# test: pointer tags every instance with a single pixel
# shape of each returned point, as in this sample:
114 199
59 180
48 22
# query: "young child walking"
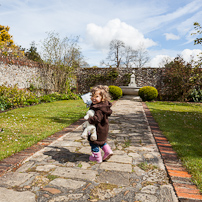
101 105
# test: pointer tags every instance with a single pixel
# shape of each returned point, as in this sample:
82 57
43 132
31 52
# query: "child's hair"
104 92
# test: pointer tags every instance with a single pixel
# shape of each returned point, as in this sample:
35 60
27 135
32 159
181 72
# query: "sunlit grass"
24 127
181 123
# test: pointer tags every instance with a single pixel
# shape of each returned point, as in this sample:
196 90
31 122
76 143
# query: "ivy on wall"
126 79
109 76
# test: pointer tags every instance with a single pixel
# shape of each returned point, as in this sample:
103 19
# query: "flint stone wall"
25 72
143 77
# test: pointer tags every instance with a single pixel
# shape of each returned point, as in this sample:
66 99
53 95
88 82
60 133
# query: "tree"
7 46
116 52
176 80
198 29
142 56
5 38
32 53
64 51
66 57
121 55
165 60
197 78
130 56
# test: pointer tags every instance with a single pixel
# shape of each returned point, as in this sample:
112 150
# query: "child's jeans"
95 147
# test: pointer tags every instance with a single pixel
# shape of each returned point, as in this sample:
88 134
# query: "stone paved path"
62 172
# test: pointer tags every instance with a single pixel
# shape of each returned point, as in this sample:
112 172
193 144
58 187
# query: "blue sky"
163 27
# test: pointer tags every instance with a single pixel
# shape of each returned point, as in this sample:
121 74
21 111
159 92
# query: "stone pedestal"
130 90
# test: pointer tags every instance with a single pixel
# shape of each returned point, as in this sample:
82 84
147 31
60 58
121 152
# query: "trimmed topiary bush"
148 93
115 92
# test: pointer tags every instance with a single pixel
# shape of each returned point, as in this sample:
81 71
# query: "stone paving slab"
61 171
9 195
75 173
15 179
116 166
67 183
116 178
121 158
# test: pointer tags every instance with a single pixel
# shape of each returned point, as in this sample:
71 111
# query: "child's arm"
97 118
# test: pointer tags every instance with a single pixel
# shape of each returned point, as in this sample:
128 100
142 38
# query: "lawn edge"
15 161
184 188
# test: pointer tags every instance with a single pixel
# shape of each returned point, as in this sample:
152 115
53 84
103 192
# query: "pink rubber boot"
107 152
96 156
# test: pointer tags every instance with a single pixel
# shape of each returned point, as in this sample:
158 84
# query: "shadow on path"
63 155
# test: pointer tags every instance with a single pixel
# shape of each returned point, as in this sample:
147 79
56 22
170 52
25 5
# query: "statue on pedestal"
132 88
132 80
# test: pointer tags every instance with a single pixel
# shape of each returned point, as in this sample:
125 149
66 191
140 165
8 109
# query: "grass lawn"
181 123
24 127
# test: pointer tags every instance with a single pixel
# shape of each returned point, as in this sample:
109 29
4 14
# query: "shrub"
115 92
12 97
176 80
47 98
4 104
148 93
196 95
32 100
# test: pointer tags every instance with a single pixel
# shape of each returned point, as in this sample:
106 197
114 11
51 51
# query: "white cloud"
170 36
160 60
189 55
100 37
186 54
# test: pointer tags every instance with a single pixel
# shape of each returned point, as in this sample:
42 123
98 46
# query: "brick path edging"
185 189
13 162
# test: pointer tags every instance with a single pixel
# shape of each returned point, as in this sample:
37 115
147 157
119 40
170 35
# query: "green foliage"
148 93
179 78
126 144
32 53
47 98
196 95
198 29
32 88
56 96
115 92
4 104
126 79
176 80
146 167
196 76
110 75
51 177
12 97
